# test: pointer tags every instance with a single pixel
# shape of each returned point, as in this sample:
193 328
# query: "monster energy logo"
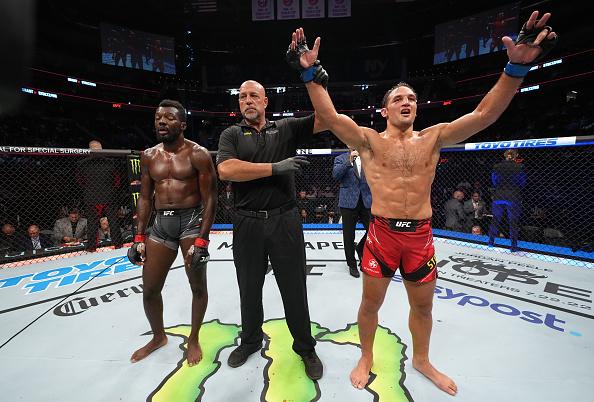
135 165
135 197
283 377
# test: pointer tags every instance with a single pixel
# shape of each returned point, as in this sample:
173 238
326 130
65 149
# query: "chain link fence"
540 199
551 212
58 202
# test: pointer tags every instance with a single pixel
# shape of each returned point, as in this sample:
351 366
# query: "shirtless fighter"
400 166
179 177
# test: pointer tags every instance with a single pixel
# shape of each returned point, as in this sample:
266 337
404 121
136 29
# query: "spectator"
508 178
303 214
474 209
303 202
99 178
476 230
36 240
10 240
72 229
454 212
354 200
225 204
319 215
103 233
332 218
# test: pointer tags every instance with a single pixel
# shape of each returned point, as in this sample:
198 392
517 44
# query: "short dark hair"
400 84
172 103
511 153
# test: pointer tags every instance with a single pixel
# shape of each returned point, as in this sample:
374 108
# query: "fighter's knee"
198 291
149 293
369 306
422 309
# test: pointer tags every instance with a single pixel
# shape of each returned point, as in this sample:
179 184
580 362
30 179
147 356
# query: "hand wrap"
135 251
315 72
527 37
199 253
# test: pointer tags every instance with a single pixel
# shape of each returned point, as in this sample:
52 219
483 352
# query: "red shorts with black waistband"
400 243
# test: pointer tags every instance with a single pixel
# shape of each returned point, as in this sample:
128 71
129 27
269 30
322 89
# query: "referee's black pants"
279 237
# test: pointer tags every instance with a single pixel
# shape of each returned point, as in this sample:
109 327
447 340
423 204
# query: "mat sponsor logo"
280 382
320 245
546 319
519 279
79 305
69 275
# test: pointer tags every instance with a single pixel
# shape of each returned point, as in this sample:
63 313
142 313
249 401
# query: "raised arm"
534 41
301 58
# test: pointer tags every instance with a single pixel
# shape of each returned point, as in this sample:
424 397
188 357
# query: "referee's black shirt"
278 140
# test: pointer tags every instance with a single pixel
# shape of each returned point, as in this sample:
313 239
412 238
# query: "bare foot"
194 353
360 374
442 381
147 349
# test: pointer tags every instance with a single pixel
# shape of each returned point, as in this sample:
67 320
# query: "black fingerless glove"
315 72
527 37
134 255
200 256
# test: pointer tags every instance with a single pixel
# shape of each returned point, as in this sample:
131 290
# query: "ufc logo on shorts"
168 213
403 226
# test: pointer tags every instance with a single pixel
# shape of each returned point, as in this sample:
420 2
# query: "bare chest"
404 158
171 166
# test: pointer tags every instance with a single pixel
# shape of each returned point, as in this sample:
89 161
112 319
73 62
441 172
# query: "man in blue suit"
354 201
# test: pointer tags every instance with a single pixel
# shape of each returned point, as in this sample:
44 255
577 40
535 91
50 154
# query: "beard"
168 138
251 115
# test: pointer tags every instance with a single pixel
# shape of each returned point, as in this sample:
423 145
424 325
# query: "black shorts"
172 225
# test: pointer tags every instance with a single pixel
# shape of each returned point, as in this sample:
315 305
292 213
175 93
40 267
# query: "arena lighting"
547 64
82 82
40 93
359 111
530 88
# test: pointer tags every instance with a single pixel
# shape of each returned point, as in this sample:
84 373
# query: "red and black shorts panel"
400 243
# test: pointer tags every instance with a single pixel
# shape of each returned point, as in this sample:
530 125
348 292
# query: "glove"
293 55
136 252
289 165
315 72
198 254
527 37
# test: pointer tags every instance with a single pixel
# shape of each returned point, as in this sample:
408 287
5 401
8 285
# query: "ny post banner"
339 8
287 9
262 10
313 9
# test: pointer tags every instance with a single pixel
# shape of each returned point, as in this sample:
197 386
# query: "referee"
258 157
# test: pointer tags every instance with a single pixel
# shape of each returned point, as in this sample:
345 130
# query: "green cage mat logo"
284 376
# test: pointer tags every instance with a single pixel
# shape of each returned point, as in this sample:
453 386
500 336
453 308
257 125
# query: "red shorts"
400 243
